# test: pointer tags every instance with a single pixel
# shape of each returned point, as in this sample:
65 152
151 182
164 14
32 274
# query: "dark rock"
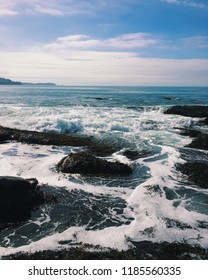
203 122
143 250
189 111
200 142
170 98
170 223
189 132
42 138
196 172
85 163
18 197
136 108
135 154
169 251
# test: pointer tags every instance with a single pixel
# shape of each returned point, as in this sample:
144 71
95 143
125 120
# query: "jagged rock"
200 142
189 111
203 122
85 163
18 197
196 172
135 154
42 138
143 250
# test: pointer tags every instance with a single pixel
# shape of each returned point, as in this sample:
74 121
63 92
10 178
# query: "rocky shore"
19 197
189 111
43 138
144 250
194 171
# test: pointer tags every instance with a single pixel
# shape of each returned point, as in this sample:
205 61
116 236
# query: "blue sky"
103 42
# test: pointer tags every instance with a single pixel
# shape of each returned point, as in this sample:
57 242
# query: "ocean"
155 203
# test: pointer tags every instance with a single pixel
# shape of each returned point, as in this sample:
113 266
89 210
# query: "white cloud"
122 42
195 42
74 7
190 43
52 8
103 68
49 11
59 7
188 3
7 9
7 12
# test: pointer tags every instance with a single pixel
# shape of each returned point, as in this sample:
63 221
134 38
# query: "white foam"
149 207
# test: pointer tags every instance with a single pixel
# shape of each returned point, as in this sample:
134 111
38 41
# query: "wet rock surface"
84 163
18 197
203 121
43 138
144 250
135 154
200 140
189 111
196 172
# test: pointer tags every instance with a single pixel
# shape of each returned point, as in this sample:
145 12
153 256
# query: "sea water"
154 203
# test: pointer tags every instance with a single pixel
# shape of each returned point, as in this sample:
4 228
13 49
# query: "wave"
63 126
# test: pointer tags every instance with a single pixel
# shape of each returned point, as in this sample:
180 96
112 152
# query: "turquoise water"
103 96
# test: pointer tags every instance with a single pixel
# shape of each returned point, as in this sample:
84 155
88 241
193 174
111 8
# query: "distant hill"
4 81
39 84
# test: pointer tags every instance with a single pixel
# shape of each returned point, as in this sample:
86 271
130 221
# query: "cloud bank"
103 68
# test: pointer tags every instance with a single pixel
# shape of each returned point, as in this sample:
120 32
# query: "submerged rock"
18 197
170 98
58 139
196 172
189 111
85 163
135 154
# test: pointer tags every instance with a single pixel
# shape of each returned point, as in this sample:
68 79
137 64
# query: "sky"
105 42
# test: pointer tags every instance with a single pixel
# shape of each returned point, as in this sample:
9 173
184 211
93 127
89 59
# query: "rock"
135 154
200 142
189 132
170 98
143 250
18 197
42 138
189 111
203 122
85 164
196 172
146 250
